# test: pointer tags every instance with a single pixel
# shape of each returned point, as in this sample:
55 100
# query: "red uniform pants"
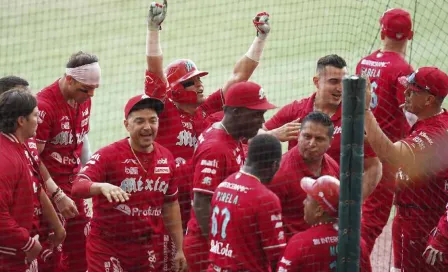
196 252
410 232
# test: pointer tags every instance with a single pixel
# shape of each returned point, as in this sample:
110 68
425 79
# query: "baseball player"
18 123
307 159
316 248
44 212
420 196
186 106
134 196
218 155
64 113
246 223
383 68
285 123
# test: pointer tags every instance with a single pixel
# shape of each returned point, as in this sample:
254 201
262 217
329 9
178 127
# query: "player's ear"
21 121
316 81
126 124
319 211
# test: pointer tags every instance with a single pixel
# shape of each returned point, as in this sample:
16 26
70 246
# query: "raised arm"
248 63
154 57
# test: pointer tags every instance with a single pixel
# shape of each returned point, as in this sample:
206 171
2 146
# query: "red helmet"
180 71
325 190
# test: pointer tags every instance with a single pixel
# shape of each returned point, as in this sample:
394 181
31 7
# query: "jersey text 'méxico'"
246 231
150 189
62 129
218 156
383 70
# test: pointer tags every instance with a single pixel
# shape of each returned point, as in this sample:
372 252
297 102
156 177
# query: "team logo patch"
189 66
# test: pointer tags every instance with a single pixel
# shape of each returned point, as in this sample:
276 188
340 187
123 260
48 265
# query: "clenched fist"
261 23
156 15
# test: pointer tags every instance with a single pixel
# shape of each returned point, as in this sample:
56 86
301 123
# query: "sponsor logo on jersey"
337 130
161 170
133 185
276 217
233 186
85 113
85 121
375 63
113 266
208 171
64 160
135 211
187 125
65 125
131 170
96 157
66 138
56 156
207 181
213 163
179 161
219 248
162 161
32 145
130 161
285 261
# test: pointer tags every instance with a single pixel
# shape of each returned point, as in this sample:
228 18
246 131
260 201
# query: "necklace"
316 109
222 125
323 223
135 156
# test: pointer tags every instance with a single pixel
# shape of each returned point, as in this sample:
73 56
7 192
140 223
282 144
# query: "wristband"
256 49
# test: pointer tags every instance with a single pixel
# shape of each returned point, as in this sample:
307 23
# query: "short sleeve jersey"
286 185
383 70
218 156
428 142
246 231
61 128
298 110
316 250
179 130
148 177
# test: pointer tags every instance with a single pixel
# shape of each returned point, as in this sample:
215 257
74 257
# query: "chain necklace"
316 109
222 125
135 156
323 223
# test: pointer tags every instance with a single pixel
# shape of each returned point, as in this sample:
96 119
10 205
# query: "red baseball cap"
396 24
325 190
248 95
152 103
430 79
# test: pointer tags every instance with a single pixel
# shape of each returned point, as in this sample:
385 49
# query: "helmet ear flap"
180 95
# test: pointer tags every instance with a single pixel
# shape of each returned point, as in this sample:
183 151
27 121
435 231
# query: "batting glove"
261 23
156 15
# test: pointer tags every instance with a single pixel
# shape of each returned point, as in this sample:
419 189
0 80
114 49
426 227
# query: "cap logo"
189 66
261 94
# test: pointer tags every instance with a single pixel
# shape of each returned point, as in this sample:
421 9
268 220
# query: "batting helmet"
325 190
178 72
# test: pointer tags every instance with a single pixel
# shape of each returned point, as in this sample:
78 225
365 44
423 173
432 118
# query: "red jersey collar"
11 137
301 165
310 107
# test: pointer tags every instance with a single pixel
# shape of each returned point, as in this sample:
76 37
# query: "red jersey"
150 187
32 156
179 130
62 129
316 250
217 156
286 185
16 191
299 110
428 143
383 70
246 230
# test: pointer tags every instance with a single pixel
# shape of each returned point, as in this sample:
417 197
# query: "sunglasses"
411 80
189 83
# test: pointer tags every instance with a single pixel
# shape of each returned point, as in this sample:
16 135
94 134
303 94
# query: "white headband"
89 74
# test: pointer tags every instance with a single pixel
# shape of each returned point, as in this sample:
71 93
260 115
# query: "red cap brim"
262 106
195 73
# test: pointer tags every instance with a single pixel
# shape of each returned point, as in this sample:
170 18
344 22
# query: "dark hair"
80 59
154 104
9 82
330 60
14 104
264 149
320 118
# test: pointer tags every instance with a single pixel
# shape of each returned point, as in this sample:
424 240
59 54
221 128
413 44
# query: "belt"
141 239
